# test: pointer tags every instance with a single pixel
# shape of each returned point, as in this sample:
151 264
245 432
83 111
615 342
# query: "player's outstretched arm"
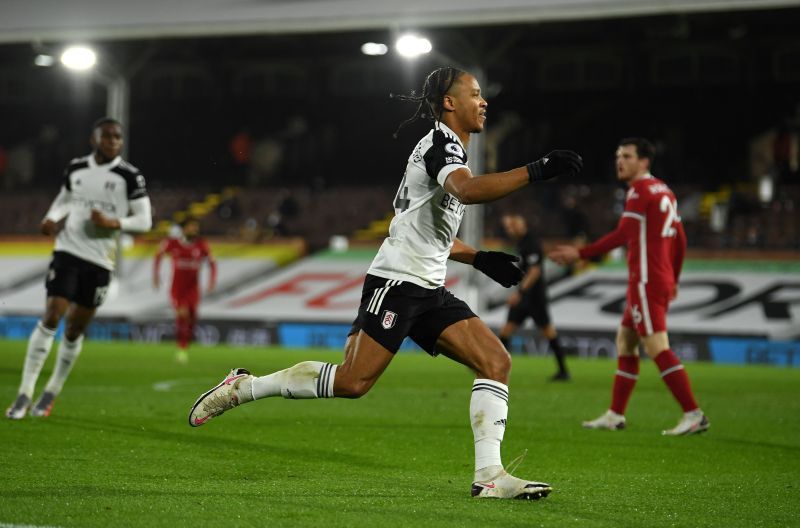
564 255
627 228
496 265
470 189
462 252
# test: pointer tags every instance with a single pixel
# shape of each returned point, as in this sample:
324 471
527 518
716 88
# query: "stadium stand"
362 213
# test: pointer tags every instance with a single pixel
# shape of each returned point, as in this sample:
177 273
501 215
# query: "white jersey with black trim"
427 217
109 188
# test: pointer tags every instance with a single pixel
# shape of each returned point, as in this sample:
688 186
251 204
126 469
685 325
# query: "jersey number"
668 206
401 201
636 314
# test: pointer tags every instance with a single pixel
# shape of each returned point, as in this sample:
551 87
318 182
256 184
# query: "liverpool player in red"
188 253
652 230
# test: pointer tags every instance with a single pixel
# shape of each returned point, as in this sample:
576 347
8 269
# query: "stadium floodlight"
78 58
374 48
411 46
44 60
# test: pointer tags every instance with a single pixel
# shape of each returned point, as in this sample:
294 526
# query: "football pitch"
118 450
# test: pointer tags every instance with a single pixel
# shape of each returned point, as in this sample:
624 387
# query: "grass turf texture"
118 452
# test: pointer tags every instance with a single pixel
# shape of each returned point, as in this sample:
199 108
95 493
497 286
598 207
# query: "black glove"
499 267
557 163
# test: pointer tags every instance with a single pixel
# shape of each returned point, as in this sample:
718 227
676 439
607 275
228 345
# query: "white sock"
38 349
68 352
488 410
309 379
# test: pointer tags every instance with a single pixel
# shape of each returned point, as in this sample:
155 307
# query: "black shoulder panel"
134 180
444 151
76 164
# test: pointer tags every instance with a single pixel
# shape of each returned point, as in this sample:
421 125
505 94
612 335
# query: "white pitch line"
94 388
168 385
7 525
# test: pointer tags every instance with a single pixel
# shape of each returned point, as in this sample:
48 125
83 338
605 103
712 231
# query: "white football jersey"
427 217
108 188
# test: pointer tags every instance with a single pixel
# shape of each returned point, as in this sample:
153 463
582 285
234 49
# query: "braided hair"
430 101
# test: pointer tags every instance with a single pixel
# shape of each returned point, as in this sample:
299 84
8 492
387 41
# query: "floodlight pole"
117 107
472 225
116 80
117 100
118 103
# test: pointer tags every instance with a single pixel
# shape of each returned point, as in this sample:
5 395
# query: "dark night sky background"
701 85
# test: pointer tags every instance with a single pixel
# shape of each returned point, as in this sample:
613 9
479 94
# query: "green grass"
117 452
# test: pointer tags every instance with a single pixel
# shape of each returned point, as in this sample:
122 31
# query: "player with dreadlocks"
437 84
404 293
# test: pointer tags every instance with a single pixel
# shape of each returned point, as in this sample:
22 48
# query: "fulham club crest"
388 319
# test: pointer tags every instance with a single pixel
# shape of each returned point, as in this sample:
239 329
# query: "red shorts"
646 307
189 298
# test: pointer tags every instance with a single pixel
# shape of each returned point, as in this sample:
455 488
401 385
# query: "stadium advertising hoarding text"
739 316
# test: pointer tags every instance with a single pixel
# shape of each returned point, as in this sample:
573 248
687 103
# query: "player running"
652 230
404 292
188 254
101 195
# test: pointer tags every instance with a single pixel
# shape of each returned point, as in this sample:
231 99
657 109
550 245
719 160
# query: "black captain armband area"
444 151
134 180
74 165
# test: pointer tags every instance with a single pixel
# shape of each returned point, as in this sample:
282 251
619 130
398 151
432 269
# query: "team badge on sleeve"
455 149
388 319
445 151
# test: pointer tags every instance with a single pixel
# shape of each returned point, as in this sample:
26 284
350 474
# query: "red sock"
674 375
624 381
183 333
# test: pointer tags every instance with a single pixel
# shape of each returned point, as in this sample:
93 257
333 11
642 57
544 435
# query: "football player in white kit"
404 292
101 195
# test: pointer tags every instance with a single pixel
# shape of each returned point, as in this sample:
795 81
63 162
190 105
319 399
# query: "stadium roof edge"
87 20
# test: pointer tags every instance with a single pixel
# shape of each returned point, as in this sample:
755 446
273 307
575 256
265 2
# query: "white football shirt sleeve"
60 206
141 219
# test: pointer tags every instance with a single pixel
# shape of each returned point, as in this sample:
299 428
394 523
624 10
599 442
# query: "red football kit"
187 259
652 231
